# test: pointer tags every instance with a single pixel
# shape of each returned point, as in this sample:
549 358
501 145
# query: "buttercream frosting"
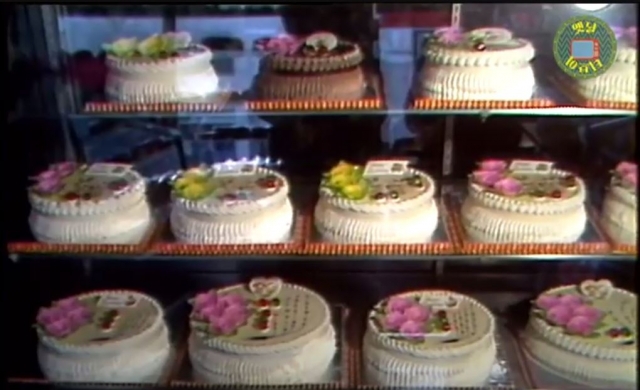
619 211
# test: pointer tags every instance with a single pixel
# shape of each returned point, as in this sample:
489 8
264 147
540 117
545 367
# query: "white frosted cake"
231 203
482 64
429 338
162 68
89 204
265 332
586 332
523 201
619 217
103 336
382 202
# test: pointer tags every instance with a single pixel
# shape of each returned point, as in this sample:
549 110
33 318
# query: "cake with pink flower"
429 338
586 332
482 64
161 68
266 332
89 204
619 211
103 336
317 67
523 201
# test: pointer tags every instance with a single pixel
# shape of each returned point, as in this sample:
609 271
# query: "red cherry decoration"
441 313
263 303
446 327
265 313
556 194
71 196
262 325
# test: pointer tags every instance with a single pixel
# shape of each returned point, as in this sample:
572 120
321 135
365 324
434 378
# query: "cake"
318 67
231 203
383 202
89 204
265 332
585 332
619 82
429 338
523 201
482 64
161 68
619 211
103 336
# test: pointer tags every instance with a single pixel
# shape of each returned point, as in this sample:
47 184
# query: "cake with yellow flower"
384 201
620 206
524 201
89 204
161 68
231 203
317 67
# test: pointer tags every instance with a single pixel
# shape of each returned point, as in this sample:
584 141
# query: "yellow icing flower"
194 184
355 191
341 169
154 46
123 48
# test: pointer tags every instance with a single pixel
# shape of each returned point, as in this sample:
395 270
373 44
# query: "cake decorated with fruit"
103 336
384 201
100 203
481 64
619 211
161 68
231 203
318 67
523 201
266 332
585 332
429 338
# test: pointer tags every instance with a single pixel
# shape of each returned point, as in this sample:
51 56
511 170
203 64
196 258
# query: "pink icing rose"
211 311
587 311
394 320
59 328
223 325
487 178
49 185
449 35
631 178
493 165
417 313
78 316
399 304
559 315
205 299
48 315
232 300
571 300
625 168
47 175
581 325
68 304
509 186
546 302
412 329
64 169
283 44
237 315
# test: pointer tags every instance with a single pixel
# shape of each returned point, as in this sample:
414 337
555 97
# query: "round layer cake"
585 332
318 67
619 211
84 204
483 64
103 336
524 202
265 332
367 205
161 68
231 203
429 338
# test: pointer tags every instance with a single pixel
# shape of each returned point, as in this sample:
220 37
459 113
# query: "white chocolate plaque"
385 167
531 166
243 168
110 170
117 301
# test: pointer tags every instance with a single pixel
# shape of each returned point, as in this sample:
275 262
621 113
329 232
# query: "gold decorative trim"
437 104
315 105
219 103
516 249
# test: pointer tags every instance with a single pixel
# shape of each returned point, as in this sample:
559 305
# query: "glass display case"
322 196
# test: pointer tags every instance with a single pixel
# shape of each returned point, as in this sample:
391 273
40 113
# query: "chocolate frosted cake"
318 67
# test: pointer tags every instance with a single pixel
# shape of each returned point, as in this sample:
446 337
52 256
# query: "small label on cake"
113 301
383 168
112 170
531 166
235 169
440 303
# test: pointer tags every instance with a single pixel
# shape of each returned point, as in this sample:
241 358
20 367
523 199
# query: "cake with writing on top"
266 332
103 336
89 204
161 68
231 203
318 67
429 338
523 201
586 331
482 64
384 201
619 217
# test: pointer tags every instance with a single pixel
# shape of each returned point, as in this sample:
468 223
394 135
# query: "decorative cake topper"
51 180
317 44
64 317
478 39
322 40
284 44
154 47
531 166
235 168
267 288
385 167
600 289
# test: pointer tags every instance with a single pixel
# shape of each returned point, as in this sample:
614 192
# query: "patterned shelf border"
492 249
218 104
315 105
312 247
605 105
436 104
